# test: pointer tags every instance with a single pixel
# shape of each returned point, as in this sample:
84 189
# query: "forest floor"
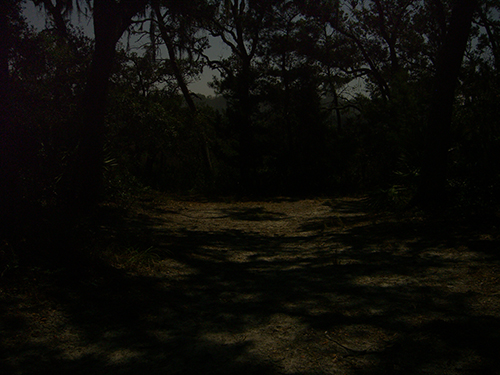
282 286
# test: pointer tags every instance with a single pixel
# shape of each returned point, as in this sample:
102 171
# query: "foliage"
475 155
297 119
153 134
48 75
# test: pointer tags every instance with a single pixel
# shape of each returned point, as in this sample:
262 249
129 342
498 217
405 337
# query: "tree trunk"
338 115
173 58
57 18
111 19
10 194
182 84
432 188
244 122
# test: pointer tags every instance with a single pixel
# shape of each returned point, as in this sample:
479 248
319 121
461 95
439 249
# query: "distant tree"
291 112
240 24
489 20
390 38
179 30
58 13
151 133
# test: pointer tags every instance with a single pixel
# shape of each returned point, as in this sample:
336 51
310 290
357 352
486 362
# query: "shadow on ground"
346 293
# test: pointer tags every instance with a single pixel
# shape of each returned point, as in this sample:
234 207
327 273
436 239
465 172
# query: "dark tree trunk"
182 83
10 195
111 19
338 115
244 122
432 188
91 131
55 12
173 58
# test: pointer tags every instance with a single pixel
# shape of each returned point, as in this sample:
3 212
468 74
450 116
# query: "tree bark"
244 123
10 194
432 189
182 83
57 17
173 58
111 19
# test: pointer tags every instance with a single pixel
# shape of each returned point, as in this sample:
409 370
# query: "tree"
291 114
58 14
178 30
240 24
183 26
432 188
111 19
491 25
9 146
390 38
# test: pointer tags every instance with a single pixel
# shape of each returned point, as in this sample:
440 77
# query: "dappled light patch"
382 280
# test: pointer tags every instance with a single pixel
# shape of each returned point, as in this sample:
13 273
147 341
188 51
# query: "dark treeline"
392 97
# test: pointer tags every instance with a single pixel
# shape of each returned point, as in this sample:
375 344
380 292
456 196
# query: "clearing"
310 286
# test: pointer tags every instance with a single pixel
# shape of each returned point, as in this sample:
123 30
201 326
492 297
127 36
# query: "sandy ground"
271 287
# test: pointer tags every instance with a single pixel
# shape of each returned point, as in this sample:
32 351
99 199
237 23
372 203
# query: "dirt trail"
277 287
